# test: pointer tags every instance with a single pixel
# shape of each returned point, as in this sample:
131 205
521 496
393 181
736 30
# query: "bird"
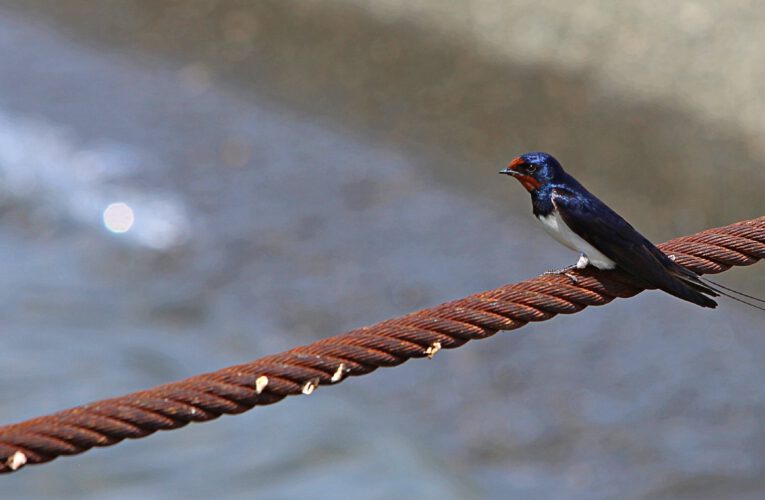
580 221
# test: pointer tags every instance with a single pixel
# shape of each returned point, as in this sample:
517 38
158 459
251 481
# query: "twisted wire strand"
329 361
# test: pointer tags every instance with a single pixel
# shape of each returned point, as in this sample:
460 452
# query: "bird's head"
534 170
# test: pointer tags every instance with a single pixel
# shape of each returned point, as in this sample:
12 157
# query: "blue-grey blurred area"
190 185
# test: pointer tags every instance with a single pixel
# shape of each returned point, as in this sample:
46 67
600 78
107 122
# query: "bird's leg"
580 264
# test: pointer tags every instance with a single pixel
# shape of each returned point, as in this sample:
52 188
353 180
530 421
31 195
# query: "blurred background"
186 185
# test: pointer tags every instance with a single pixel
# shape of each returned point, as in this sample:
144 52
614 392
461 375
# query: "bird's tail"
689 287
703 287
734 294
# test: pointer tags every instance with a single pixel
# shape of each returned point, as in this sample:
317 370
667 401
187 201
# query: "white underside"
558 229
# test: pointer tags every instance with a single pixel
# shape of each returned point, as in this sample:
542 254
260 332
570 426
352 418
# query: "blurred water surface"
286 171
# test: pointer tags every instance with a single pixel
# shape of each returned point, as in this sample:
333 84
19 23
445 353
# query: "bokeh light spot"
118 217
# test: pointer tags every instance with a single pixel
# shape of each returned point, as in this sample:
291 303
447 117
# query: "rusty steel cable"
301 370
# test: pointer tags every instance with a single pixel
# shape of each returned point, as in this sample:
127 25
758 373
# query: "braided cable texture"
389 343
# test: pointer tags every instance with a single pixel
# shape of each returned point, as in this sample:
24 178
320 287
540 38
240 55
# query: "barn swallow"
580 221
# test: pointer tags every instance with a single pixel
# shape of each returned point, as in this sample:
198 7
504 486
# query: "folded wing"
615 238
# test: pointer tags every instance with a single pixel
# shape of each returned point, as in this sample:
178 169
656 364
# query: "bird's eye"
531 169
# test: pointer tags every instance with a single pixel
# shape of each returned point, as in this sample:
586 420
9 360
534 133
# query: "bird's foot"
580 264
565 272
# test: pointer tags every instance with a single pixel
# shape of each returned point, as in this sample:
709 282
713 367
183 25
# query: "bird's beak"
510 169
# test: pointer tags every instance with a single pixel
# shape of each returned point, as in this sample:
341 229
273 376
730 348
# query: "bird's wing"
615 238
604 229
